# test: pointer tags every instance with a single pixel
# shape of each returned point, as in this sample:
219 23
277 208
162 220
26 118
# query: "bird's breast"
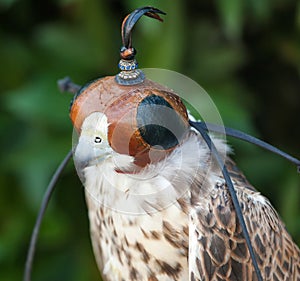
140 247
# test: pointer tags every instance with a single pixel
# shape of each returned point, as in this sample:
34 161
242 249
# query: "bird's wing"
217 248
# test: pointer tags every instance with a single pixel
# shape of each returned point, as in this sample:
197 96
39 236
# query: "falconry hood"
146 120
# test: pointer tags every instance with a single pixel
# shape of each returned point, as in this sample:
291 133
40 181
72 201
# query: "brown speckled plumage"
221 247
198 237
159 207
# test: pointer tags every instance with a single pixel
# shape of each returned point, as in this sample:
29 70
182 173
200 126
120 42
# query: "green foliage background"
246 54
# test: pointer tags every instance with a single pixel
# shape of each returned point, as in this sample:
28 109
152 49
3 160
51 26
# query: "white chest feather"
140 222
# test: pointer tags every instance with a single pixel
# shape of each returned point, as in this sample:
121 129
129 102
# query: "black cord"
248 138
35 232
234 198
67 85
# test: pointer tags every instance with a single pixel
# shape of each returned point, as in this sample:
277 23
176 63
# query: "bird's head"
136 124
136 119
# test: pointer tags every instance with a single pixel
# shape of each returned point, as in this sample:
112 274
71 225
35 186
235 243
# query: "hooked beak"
87 154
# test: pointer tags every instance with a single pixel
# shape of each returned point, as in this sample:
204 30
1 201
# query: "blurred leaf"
35 101
40 102
232 16
298 16
61 50
211 55
260 9
290 201
6 4
230 108
17 58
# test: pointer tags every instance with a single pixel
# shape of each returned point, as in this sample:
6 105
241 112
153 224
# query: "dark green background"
246 54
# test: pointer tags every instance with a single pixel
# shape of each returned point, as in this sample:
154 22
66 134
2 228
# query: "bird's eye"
97 140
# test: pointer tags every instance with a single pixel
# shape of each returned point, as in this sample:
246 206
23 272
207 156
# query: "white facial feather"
156 186
93 146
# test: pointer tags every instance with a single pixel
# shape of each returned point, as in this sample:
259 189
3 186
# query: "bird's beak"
86 154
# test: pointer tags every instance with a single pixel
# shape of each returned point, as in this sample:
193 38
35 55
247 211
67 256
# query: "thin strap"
210 144
248 138
35 232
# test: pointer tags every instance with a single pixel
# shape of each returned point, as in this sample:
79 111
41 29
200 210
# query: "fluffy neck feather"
157 185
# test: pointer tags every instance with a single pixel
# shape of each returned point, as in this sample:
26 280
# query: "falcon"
159 206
